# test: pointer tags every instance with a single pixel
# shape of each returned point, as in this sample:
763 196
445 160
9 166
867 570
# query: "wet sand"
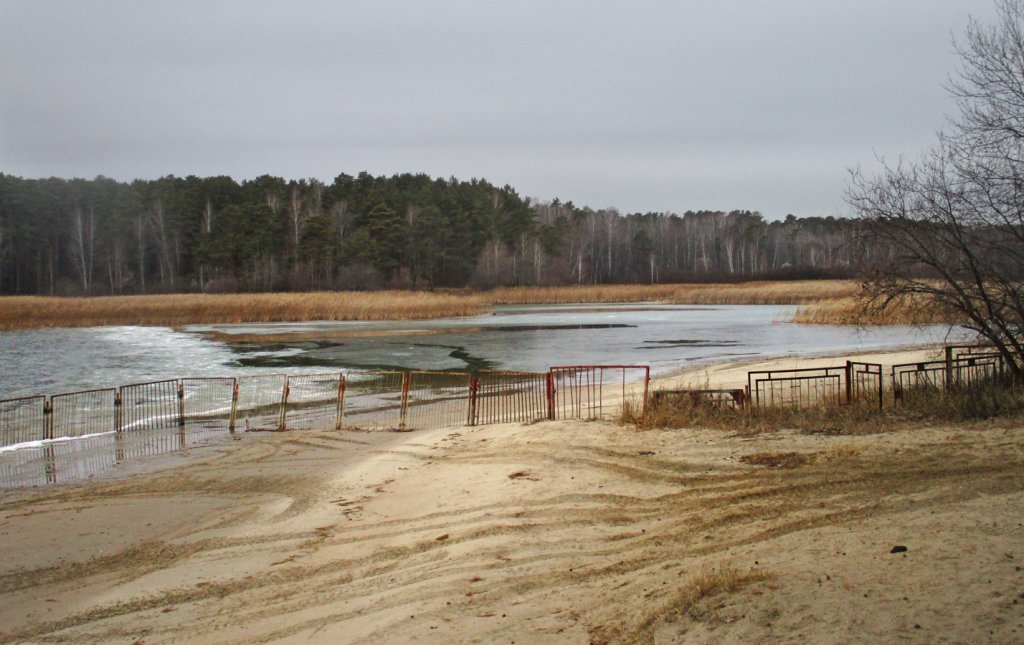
551 532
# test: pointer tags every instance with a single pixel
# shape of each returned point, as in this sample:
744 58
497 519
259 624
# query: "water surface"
533 338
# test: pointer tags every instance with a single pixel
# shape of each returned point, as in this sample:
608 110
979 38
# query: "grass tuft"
686 602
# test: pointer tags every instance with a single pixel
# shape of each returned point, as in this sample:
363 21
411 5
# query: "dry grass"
19 312
851 310
742 293
922 406
826 302
687 601
684 412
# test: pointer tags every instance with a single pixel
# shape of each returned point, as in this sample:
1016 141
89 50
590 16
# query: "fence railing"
596 391
372 401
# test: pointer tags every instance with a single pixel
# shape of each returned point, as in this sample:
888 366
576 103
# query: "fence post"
181 404
48 418
234 407
119 413
551 394
341 401
881 397
406 379
647 387
949 367
284 403
849 382
474 391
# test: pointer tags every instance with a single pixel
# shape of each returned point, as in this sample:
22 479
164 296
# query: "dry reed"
854 311
827 301
20 312
741 293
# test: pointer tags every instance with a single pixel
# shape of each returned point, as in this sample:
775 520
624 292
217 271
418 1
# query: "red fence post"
341 402
284 404
181 404
849 382
949 367
234 408
551 395
406 379
474 390
48 418
647 387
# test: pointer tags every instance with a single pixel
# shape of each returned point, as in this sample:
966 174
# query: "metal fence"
313 401
511 397
259 403
811 386
179 410
195 407
580 391
967 370
375 401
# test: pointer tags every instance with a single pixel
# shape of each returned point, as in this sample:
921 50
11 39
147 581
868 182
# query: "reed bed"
22 312
854 311
794 292
825 302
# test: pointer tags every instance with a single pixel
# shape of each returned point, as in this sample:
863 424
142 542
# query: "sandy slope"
552 532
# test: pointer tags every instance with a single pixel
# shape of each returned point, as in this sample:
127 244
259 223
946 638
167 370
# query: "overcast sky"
643 106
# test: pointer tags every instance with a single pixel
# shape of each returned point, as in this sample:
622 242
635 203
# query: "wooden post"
234 406
118 412
48 418
550 385
849 382
474 390
949 367
341 401
284 404
647 387
181 405
406 378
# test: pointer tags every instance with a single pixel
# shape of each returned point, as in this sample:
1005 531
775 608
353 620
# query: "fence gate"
151 406
797 387
260 404
437 400
81 413
864 383
313 401
510 397
208 402
579 391
375 401
22 420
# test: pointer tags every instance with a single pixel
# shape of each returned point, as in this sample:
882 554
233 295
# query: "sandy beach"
560 532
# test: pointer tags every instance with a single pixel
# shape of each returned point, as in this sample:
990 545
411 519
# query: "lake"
532 338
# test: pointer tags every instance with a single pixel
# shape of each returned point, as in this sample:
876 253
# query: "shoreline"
550 532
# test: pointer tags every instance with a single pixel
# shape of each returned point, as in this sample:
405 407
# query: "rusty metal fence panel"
84 413
864 383
208 402
314 401
375 401
437 400
22 419
715 398
804 387
580 391
150 406
510 397
260 404
966 369
914 378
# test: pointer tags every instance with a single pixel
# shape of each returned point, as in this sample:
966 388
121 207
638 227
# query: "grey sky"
757 104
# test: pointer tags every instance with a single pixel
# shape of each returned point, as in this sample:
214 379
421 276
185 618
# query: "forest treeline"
213 234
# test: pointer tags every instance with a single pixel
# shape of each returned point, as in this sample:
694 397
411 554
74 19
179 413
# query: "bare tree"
954 218
83 235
